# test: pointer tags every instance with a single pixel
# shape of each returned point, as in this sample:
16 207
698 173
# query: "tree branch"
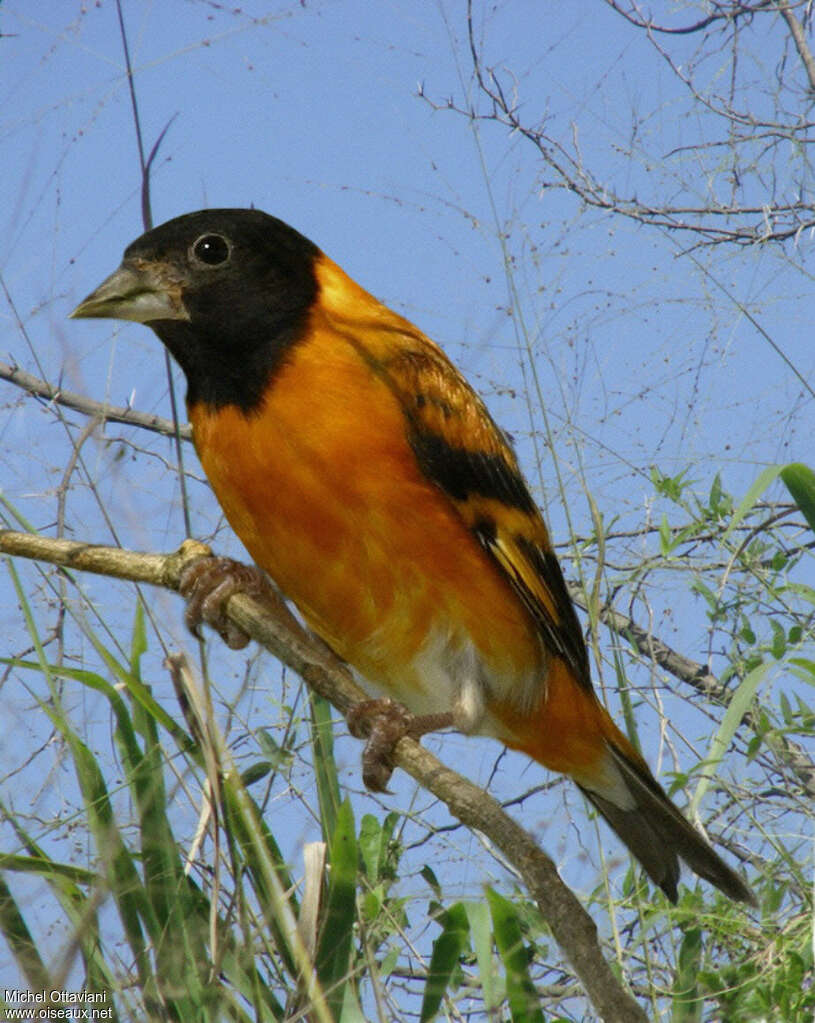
800 39
98 409
572 927
722 12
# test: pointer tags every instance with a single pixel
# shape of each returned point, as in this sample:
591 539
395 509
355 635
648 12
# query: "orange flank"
569 732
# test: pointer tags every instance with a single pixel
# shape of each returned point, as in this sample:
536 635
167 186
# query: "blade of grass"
333 954
478 917
445 958
686 1004
736 709
524 1005
760 484
325 766
20 941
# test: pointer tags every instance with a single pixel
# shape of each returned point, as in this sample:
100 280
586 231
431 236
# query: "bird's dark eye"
212 249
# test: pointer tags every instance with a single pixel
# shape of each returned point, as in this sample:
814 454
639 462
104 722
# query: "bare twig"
98 409
571 925
714 223
800 39
722 12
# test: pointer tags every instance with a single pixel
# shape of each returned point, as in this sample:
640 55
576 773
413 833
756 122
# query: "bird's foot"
208 582
383 723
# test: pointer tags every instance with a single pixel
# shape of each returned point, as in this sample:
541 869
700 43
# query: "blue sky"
313 112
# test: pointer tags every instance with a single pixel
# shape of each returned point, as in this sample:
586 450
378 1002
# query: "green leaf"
778 646
256 772
524 1005
333 955
739 703
687 1005
666 541
669 486
138 642
478 917
444 961
764 479
277 756
807 668
800 481
325 766
370 846
21 942
380 853
264 863
429 876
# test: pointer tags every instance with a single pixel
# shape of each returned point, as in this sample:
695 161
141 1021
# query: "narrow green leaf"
120 870
626 703
444 961
333 955
67 883
370 846
807 668
256 772
428 874
478 917
786 708
524 1004
20 941
686 1003
42 865
778 646
138 642
182 962
325 766
715 496
739 703
95 681
666 543
351 1009
262 857
278 756
763 480
800 481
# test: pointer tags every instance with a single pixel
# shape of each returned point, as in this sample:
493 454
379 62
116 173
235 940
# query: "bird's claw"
383 723
207 583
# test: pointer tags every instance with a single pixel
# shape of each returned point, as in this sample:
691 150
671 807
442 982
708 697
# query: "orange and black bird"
365 476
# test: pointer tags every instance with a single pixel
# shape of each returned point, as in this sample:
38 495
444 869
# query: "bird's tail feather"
657 833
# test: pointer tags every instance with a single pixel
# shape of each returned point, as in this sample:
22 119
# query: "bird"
368 480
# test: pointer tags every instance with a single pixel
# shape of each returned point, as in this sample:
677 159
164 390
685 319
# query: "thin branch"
572 927
721 13
772 222
799 38
97 409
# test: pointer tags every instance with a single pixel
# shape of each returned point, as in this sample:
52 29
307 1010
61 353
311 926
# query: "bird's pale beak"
139 293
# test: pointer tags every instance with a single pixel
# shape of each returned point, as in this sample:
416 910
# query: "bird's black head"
228 292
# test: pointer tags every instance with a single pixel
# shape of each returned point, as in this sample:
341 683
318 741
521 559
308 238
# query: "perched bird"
365 476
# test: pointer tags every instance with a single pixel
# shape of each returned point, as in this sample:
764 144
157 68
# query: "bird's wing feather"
460 448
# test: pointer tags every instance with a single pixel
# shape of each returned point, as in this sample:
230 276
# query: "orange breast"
324 491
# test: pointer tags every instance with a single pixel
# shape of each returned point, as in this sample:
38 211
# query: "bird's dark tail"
658 835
